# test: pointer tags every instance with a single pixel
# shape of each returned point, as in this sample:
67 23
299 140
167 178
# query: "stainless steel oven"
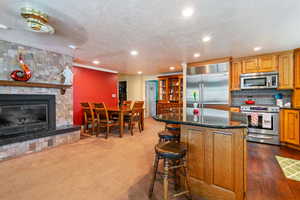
259 80
258 132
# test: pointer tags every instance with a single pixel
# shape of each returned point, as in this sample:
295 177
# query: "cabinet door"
297 69
267 63
296 98
291 126
234 109
250 65
235 72
286 71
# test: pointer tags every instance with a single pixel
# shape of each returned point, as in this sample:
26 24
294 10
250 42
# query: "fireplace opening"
22 118
21 115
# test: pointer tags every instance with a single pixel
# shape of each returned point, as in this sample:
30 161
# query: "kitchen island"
216 156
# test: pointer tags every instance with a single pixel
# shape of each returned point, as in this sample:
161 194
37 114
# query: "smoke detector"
36 20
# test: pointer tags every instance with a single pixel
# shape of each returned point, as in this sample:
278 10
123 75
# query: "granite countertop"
212 118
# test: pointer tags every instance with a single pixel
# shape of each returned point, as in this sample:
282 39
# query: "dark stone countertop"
9 139
211 118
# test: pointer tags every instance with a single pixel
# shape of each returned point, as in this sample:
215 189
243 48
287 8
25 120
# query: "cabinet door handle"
223 133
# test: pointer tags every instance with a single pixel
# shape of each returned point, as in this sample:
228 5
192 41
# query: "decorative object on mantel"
68 76
36 85
36 20
19 75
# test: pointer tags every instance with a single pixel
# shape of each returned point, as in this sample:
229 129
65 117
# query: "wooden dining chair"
103 118
126 104
136 116
88 116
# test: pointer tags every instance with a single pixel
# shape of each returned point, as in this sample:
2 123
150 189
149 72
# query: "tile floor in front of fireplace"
120 169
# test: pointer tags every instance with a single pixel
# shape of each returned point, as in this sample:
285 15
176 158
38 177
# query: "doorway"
151 97
122 91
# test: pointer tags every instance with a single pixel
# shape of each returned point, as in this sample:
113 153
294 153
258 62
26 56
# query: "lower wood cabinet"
216 162
290 123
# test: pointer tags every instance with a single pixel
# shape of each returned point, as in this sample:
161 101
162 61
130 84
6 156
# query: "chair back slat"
126 104
101 111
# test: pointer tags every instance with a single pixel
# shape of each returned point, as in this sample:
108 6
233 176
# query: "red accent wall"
92 86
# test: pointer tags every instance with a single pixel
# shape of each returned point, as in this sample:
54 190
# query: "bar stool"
173 154
173 127
165 136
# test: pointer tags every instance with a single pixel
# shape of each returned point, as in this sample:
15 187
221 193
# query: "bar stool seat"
171 150
173 127
169 136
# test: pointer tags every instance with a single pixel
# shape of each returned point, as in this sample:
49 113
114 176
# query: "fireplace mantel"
62 87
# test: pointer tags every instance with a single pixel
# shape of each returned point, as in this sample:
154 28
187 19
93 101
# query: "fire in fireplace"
21 114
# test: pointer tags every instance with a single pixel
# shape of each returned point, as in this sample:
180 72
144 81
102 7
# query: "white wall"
136 87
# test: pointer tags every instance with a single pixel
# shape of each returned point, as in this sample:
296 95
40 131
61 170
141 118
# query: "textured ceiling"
108 29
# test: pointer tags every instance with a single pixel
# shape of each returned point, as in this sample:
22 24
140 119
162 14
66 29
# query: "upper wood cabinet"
235 72
290 127
297 68
267 63
296 98
250 65
286 71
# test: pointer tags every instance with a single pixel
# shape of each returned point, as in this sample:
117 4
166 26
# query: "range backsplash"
260 96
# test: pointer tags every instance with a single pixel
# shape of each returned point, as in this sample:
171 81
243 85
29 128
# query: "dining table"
121 111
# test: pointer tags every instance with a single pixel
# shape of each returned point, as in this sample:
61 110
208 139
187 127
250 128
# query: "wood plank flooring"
265 178
120 169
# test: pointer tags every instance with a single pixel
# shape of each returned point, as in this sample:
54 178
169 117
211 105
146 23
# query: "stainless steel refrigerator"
207 85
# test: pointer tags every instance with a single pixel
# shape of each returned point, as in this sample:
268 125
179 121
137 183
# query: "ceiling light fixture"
206 39
187 12
257 48
71 46
196 55
171 68
2 26
134 53
140 72
96 62
36 20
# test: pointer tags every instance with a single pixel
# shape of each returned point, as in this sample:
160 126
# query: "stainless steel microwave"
259 80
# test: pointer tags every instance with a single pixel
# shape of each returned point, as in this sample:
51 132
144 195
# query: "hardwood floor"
120 169
265 178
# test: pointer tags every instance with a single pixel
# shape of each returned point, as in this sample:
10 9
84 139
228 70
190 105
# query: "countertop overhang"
211 118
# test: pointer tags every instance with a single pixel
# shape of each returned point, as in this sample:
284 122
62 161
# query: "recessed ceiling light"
257 48
71 46
187 12
2 26
140 72
96 62
206 39
171 68
196 55
134 52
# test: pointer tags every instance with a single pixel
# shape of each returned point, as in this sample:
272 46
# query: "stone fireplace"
33 119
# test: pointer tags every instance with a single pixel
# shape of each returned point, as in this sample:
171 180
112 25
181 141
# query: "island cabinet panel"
216 162
267 63
286 71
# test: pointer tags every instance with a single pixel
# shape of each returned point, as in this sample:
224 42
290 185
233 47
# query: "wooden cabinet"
171 88
263 63
286 71
235 72
267 63
216 162
234 109
296 98
250 65
290 126
297 69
